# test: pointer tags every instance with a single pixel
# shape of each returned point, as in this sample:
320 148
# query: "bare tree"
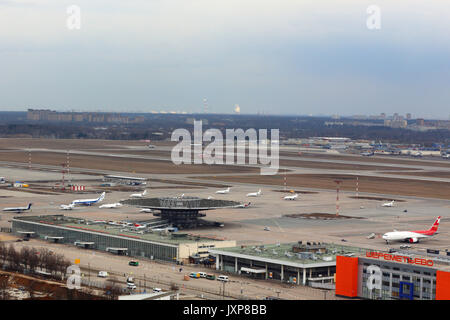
33 261
112 289
24 256
4 281
3 253
14 258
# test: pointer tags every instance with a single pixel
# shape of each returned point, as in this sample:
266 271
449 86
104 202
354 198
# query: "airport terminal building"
393 276
99 235
303 262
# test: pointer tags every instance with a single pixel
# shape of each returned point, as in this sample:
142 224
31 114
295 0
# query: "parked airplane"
139 195
67 207
412 236
293 197
367 154
89 202
18 209
243 205
254 194
111 205
227 190
388 204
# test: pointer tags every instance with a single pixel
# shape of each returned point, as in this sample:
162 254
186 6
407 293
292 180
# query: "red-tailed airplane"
412 236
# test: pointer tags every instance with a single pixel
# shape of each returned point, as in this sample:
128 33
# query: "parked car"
103 274
223 278
133 263
131 286
202 274
157 290
210 277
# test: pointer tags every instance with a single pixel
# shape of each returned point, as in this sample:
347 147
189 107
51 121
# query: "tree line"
30 260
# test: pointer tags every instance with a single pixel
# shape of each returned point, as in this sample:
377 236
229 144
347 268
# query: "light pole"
338 182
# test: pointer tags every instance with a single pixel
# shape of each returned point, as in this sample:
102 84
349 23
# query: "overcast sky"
277 57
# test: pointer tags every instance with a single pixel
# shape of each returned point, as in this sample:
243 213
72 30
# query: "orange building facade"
383 276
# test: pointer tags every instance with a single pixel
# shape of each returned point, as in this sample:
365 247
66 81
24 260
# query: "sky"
288 57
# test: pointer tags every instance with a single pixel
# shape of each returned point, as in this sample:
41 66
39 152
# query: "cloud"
292 55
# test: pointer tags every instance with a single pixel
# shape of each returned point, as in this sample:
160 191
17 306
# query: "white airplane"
89 202
244 205
111 205
293 197
146 210
209 198
227 190
254 194
388 204
67 207
18 209
139 195
412 236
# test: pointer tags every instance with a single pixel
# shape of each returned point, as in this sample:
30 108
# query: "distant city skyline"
171 111
277 58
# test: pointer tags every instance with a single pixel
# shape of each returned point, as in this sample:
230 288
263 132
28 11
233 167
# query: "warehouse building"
117 239
306 263
393 276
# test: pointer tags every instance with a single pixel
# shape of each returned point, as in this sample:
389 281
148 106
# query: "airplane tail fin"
29 206
102 196
435 225
145 192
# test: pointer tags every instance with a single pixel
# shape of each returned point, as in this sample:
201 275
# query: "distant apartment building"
395 123
97 117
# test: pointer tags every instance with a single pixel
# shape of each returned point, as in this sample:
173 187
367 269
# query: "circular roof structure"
181 203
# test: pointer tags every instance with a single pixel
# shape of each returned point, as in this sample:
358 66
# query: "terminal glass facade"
398 281
136 248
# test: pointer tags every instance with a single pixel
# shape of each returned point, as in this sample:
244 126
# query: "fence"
330 286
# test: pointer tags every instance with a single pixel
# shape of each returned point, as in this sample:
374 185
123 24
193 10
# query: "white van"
103 274
131 286
222 278
202 274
